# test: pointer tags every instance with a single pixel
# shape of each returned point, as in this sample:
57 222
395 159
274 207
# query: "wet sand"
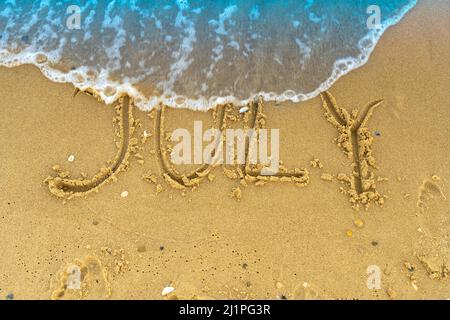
136 234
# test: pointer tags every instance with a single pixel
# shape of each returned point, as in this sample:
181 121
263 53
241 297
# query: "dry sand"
136 236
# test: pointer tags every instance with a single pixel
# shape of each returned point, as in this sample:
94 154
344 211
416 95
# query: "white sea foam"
111 81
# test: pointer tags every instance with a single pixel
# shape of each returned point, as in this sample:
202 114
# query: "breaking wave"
195 53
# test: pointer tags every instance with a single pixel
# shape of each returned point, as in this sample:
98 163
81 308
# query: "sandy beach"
229 235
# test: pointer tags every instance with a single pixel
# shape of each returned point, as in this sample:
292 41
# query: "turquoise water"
195 54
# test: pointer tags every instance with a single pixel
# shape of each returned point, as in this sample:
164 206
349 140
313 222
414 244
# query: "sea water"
196 53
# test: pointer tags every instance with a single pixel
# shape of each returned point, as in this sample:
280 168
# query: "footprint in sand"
432 246
428 191
86 278
91 277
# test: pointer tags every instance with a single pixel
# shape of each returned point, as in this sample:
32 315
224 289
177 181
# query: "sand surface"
134 234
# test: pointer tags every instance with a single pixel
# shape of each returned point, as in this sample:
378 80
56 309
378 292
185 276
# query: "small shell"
71 158
124 194
243 110
167 290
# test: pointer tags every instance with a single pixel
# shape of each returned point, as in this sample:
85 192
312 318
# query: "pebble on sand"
124 194
243 110
71 158
167 290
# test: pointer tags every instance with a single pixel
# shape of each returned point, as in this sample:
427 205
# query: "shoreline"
109 91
